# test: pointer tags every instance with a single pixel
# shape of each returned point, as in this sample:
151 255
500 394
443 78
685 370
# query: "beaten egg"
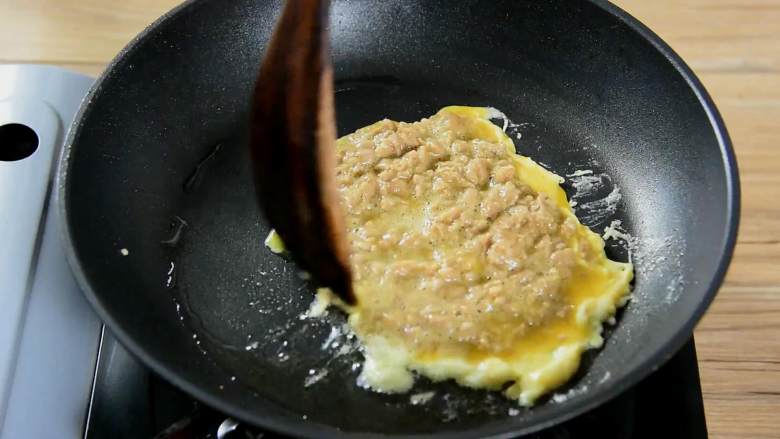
468 262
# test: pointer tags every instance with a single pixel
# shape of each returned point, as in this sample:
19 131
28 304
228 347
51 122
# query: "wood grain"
733 45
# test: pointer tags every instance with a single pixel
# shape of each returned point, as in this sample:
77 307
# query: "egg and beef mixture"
468 262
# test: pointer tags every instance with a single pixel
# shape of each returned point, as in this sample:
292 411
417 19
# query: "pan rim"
497 429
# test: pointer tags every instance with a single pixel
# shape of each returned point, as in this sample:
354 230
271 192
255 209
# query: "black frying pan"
161 140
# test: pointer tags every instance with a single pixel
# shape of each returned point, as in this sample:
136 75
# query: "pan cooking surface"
218 314
247 315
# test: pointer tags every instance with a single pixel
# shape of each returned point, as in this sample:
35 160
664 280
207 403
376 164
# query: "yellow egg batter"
468 262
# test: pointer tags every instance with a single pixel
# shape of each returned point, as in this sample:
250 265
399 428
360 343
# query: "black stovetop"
129 401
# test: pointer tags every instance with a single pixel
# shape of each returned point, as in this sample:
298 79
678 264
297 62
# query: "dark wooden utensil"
292 143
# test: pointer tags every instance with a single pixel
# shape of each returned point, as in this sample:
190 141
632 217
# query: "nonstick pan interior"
157 166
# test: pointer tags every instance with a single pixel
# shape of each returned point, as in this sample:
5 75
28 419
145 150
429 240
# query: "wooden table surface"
734 47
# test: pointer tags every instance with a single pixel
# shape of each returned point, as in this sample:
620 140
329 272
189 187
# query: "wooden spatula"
292 143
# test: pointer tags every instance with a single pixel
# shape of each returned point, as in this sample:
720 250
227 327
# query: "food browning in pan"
468 261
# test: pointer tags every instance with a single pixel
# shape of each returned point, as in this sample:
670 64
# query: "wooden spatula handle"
293 144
